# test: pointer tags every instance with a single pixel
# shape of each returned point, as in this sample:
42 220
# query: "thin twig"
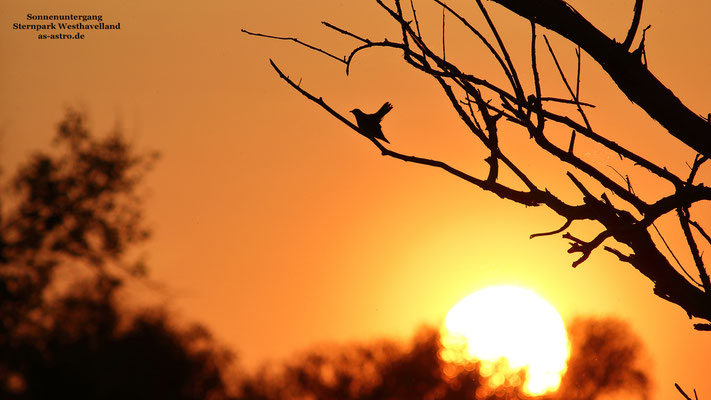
444 47
577 80
293 39
518 89
318 101
683 213
565 226
701 230
566 101
469 102
483 40
681 391
625 178
674 256
414 15
698 160
536 79
635 25
345 32
369 45
567 85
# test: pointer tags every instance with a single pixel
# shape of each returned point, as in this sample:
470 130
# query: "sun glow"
508 329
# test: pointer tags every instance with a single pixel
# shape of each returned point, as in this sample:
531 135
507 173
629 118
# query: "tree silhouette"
90 349
604 360
385 369
68 221
493 112
78 208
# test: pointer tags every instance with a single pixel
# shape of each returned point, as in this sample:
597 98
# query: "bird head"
356 111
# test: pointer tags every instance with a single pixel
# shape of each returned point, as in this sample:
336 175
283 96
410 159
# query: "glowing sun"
509 328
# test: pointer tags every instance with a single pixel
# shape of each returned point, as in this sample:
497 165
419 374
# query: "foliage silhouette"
606 357
605 360
78 208
92 350
65 230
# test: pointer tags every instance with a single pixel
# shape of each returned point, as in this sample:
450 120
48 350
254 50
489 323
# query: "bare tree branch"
518 89
635 24
573 94
484 41
695 168
586 248
682 392
538 99
701 231
293 39
565 226
683 213
472 98
671 252
345 32
444 47
631 76
525 198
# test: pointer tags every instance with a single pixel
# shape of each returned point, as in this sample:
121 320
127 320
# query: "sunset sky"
279 228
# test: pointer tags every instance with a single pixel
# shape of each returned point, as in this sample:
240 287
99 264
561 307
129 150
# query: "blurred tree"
66 226
89 349
78 208
382 370
492 111
604 360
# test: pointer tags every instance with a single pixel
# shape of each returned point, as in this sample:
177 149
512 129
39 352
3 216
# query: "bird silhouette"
369 124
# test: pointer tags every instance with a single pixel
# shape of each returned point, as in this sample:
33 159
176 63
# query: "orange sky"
279 228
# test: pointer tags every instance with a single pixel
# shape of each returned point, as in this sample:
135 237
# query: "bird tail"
384 110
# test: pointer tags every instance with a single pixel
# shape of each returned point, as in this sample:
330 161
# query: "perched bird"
369 124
